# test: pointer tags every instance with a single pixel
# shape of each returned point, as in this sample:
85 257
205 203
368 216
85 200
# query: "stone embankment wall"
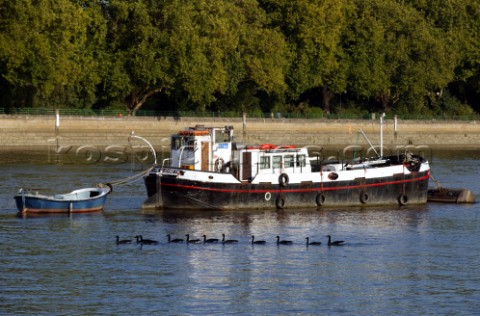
39 133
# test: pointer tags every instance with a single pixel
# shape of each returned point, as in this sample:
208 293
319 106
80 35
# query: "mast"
381 134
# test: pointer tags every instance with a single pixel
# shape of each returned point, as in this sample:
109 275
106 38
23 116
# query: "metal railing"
232 114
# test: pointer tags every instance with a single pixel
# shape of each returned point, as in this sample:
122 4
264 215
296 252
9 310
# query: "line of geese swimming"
140 240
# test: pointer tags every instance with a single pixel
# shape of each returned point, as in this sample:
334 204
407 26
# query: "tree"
313 29
396 55
47 50
459 22
195 48
241 55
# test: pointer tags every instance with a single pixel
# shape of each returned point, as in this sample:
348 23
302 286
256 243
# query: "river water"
415 260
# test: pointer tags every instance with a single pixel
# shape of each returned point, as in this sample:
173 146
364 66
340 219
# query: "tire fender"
402 199
364 197
283 180
320 199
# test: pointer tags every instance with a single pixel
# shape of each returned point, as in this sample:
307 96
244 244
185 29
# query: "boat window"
176 142
179 141
301 161
277 161
222 136
190 144
265 162
289 161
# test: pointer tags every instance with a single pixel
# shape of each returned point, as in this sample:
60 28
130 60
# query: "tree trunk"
136 99
327 96
385 99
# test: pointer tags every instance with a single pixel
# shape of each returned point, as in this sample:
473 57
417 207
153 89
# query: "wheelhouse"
200 148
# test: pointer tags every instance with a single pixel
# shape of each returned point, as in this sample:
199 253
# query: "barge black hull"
177 193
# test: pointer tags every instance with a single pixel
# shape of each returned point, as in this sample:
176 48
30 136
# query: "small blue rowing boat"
78 201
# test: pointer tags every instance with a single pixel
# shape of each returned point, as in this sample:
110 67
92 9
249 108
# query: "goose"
209 241
312 243
334 243
192 241
174 240
257 242
228 241
283 242
123 241
142 241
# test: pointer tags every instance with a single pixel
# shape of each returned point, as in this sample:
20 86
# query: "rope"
435 180
135 177
129 180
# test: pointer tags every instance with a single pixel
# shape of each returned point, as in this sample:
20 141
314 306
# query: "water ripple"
402 261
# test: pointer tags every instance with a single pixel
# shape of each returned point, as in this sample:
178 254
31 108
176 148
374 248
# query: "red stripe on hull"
192 187
179 193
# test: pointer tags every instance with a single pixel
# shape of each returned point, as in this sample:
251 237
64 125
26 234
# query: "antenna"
381 134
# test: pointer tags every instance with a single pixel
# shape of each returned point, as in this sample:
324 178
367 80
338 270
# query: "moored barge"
208 170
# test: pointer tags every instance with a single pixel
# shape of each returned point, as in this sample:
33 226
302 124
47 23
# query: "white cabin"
212 149
200 148
273 160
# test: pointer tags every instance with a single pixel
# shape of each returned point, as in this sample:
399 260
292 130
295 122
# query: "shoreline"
40 133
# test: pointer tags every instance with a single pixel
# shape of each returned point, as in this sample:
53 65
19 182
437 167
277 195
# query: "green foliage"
195 50
351 110
397 55
261 56
449 106
46 47
313 30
